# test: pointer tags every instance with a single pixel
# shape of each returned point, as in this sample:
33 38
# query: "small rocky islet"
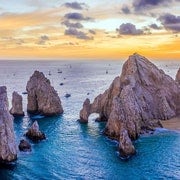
17 107
42 97
134 104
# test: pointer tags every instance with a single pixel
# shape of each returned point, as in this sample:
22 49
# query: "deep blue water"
79 151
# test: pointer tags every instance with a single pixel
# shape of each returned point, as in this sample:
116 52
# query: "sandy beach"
173 124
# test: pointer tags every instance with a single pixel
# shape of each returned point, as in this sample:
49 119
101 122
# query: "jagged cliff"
135 101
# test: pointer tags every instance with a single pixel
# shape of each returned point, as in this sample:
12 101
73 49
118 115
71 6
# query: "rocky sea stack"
17 107
42 97
34 133
24 146
8 150
135 102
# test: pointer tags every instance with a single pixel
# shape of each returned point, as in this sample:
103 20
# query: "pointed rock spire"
8 149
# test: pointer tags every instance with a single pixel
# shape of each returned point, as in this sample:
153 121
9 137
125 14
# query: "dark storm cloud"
170 22
78 34
72 25
125 9
155 26
77 17
129 29
145 4
75 5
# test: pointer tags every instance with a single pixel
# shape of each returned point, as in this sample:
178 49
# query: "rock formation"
126 147
135 101
34 133
8 151
178 76
17 108
42 97
24 146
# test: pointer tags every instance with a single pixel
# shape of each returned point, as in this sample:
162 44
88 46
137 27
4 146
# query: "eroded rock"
85 112
24 146
34 133
136 100
17 107
126 148
42 97
8 150
178 76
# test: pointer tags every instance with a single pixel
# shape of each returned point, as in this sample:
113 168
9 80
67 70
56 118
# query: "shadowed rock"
8 151
34 133
17 107
136 100
42 97
24 146
178 76
85 111
126 147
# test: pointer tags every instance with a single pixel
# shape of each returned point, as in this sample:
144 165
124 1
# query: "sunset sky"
107 29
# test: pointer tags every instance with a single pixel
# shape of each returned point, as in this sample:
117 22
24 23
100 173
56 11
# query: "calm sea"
79 151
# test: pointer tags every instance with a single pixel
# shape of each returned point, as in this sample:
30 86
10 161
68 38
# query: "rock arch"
135 101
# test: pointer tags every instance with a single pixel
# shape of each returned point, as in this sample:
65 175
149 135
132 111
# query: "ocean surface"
80 151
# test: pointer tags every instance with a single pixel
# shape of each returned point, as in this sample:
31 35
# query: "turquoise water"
79 151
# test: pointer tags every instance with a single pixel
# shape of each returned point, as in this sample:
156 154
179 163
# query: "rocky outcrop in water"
42 97
126 147
8 151
17 107
34 133
24 146
178 76
136 101
85 111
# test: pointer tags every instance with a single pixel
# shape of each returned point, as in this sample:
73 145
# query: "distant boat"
61 84
67 95
49 73
59 71
24 92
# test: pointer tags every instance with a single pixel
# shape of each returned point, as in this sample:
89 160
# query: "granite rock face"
17 107
135 100
34 133
42 97
178 76
8 150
